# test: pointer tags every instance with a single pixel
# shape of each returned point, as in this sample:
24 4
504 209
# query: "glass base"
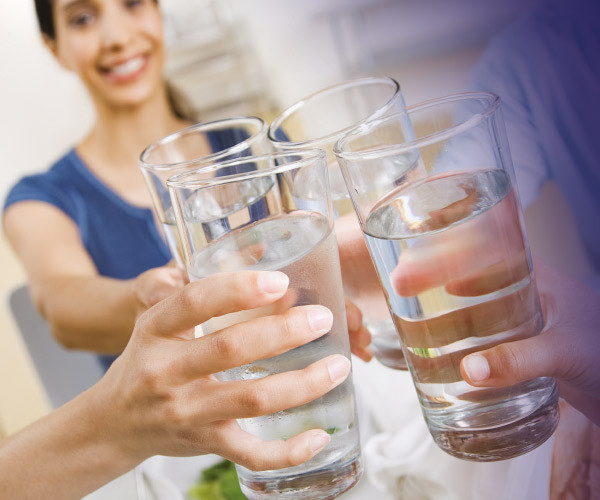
323 484
386 345
392 358
501 443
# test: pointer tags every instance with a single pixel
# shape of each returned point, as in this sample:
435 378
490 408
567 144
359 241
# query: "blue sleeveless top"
122 239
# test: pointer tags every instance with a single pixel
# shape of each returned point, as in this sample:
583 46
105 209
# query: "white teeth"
128 67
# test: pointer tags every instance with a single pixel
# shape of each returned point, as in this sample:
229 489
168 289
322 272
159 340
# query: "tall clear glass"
442 220
273 212
319 121
193 147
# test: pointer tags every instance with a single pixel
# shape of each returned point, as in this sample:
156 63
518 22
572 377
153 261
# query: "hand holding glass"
273 212
441 218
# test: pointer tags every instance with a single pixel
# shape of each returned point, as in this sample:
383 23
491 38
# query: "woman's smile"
125 70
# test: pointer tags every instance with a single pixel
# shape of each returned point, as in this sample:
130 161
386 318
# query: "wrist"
111 428
107 431
136 305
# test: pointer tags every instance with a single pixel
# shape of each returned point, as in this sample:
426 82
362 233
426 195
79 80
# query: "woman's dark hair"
177 101
43 10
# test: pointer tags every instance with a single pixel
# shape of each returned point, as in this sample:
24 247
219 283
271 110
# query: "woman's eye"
131 4
81 19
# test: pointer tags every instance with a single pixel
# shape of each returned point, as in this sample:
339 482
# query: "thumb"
160 292
157 284
513 362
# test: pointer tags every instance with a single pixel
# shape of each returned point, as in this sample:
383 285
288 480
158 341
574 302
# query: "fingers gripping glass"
440 214
273 212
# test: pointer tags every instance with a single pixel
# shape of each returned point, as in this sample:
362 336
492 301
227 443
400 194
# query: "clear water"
221 200
385 343
302 246
450 254
174 242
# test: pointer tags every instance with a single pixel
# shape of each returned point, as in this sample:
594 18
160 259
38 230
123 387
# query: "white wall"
430 46
43 108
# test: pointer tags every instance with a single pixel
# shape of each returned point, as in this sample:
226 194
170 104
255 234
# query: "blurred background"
229 57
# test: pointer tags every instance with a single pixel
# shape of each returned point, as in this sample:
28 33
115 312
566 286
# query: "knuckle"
192 296
509 359
285 324
144 320
236 288
256 400
251 461
227 348
174 415
353 315
313 383
243 290
296 456
235 283
239 283
150 379
309 378
255 461
255 464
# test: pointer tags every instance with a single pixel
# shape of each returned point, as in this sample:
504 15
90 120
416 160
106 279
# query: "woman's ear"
52 46
50 43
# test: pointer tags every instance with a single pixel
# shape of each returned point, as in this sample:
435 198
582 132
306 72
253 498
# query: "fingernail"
320 319
338 367
477 367
273 282
318 441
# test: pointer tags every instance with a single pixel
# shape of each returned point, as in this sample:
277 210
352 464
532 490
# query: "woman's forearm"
67 454
88 312
85 310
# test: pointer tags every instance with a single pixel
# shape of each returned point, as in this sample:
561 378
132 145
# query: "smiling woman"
114 47
90 25
84 229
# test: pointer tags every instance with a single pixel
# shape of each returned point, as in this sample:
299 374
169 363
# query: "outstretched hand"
360 337
156 284
168 401
568 349
161 397
485 255
468 265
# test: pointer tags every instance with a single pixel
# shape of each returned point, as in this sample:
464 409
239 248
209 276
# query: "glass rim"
312 143
307 156
446 133
202 127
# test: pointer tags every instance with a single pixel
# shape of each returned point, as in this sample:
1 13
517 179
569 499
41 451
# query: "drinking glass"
318 121
192 147
273 212
442 220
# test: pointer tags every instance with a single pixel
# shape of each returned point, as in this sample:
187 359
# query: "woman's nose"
116 29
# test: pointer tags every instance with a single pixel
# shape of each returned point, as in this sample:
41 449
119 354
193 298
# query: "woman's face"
115 46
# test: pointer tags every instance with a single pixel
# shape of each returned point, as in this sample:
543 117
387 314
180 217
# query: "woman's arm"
160 396
84 310
89 311
66 452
